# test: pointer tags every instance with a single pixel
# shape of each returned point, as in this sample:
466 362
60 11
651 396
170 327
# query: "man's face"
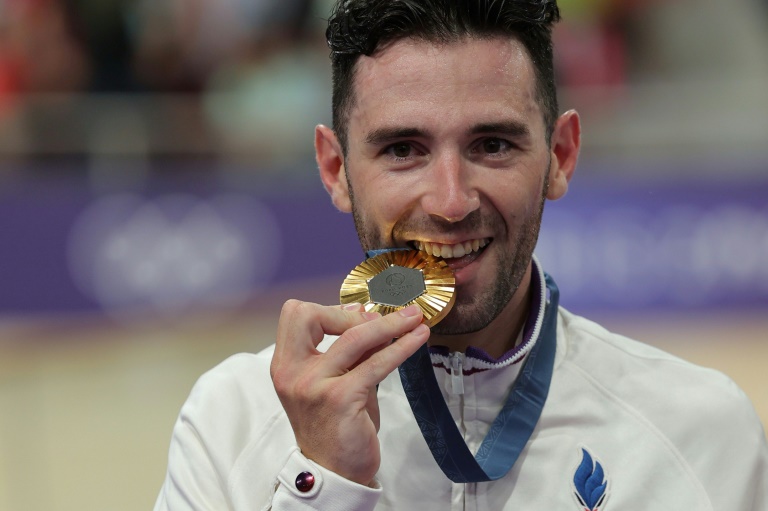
447 153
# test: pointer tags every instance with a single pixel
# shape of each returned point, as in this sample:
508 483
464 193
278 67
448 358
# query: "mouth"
457 255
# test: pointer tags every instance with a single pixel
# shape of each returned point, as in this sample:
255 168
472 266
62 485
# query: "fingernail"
371 315
420 330
351 306
410 311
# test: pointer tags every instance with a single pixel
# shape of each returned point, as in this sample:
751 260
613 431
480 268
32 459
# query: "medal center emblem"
396 286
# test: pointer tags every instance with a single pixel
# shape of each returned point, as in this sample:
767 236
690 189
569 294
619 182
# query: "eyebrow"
384 135
510 128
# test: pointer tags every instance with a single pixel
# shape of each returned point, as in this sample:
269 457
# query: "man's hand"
330 398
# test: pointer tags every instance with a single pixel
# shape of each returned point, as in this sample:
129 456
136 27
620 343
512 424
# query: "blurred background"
159 202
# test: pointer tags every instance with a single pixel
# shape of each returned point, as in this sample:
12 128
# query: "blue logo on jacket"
590 483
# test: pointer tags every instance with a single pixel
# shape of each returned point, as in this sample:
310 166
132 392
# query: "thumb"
372 407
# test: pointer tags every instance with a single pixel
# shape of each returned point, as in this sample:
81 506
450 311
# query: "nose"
450 195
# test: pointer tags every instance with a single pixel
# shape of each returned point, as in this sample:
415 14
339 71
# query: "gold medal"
396 279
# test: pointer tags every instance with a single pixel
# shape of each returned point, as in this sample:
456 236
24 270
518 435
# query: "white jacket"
669 435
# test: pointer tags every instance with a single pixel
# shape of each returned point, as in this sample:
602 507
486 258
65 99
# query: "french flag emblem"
590 484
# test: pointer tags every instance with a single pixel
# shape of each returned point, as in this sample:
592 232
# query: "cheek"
516 199
390 196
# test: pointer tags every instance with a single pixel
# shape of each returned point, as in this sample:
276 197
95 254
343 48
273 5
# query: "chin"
466 318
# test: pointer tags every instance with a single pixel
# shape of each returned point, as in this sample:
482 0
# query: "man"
447 140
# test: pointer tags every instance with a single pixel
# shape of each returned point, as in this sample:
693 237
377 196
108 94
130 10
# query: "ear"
565 145
330 161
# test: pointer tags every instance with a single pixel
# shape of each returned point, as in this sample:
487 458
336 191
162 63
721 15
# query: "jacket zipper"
457 373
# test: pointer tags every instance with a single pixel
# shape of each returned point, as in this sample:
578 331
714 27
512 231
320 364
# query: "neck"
499 335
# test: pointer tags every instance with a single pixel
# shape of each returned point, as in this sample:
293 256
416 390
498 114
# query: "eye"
400 150
494 145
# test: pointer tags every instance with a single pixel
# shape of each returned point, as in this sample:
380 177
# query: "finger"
303 325
354 344
373 370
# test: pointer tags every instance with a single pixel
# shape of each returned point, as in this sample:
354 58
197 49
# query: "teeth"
452 251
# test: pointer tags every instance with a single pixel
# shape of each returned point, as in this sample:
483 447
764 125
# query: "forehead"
470 80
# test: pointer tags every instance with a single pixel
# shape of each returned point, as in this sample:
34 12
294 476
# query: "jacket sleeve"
192 481
726 447
232 449
740 476
330 490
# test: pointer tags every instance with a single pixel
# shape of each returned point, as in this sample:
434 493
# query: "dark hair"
362 27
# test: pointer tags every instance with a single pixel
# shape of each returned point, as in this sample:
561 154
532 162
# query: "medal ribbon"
510 430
